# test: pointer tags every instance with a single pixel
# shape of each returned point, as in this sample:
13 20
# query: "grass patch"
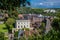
2 28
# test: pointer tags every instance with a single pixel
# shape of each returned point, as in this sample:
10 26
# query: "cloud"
51 3
45 3
40 3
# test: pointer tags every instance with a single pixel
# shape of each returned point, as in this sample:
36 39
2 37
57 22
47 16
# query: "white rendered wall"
22 24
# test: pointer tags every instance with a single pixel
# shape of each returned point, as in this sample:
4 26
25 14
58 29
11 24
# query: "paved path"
48 25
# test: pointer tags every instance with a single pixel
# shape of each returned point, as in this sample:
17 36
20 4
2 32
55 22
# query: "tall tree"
9 24
10 4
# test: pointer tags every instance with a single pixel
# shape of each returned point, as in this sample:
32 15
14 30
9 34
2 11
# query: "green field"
2 28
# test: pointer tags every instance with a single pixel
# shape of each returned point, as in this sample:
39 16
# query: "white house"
53 11
22 24
47 11
50 10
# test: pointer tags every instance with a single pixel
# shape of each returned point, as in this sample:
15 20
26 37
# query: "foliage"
23 10
1 36
16 35
22 38
42 28
24 2
56 23
11 4
36 11
10 21
55 32
7 4
25 29
9 24
14 14
52 35
58 14
2 28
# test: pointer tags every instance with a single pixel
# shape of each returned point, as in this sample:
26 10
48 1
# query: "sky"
45 3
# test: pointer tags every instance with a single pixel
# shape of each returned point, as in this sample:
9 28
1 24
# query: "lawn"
2 28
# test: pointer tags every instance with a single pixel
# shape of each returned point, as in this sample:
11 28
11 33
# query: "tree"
24 2
52 35
56 23
1 36
16 35
9 24
14 14
6 4
55 32
58 14
11 4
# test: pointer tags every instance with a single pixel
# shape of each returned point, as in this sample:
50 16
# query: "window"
18 26
27 25
21 26
18 23
24 26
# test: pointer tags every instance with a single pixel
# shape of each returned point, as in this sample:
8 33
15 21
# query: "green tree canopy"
1 36
10 4
9 24
56 23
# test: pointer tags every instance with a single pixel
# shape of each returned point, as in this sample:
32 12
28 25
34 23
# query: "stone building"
22 24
